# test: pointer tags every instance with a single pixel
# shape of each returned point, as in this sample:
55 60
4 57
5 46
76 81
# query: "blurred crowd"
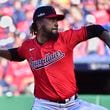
15 20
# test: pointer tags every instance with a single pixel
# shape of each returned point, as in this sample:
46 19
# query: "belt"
74 97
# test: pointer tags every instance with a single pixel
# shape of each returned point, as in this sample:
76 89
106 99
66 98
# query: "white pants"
73 104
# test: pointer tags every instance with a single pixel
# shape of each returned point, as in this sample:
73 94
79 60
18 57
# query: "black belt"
66 100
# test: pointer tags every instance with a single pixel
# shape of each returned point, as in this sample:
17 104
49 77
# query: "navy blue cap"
46 12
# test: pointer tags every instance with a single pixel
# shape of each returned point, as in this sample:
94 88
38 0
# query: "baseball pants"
73 104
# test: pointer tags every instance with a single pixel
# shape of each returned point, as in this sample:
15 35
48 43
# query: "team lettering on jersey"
47 60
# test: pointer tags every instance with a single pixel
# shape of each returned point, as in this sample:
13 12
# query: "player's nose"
55 22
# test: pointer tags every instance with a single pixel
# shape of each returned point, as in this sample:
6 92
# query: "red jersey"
52 64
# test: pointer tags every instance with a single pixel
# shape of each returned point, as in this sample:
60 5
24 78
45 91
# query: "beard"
50 34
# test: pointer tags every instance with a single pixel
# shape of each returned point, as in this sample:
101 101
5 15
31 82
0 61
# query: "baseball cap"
46 12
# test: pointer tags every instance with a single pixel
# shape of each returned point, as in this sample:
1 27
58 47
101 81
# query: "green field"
25 102
103 100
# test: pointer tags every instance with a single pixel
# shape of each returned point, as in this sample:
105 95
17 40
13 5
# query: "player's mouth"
55 28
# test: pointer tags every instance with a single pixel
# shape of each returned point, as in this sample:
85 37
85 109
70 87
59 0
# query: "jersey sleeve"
72 37
15 55
21 50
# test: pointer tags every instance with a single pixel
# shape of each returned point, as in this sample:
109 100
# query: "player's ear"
33 28
39 24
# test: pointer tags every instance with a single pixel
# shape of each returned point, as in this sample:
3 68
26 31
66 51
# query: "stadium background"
92 58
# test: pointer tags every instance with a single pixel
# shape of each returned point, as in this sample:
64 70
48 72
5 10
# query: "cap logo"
41 14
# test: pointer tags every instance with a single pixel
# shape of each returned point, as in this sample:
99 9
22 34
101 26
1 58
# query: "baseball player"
50 57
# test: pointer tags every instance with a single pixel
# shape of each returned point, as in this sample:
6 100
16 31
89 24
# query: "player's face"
50 27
